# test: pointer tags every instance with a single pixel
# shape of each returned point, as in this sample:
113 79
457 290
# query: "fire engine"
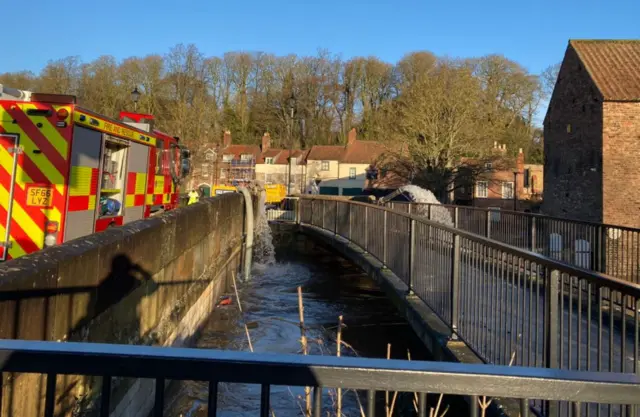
66 172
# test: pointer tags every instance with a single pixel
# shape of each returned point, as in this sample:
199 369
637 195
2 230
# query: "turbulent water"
420 195
263 250
331 287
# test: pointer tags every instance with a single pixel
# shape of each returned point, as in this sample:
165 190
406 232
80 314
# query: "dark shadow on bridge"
48 314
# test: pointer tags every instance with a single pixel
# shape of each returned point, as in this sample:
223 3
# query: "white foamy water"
420 195
263 251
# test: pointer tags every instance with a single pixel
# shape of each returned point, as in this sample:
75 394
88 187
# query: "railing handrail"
526 214
316 370
627 287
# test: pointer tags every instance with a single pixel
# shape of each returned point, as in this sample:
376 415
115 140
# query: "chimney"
351 138
266 141
226 139
520 161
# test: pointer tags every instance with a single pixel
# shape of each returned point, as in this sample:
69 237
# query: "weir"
480 295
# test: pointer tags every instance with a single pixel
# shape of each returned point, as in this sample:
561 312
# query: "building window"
227 158
268 161
488 165
246 157
507 190
210 156
324 166
482 189
352 173
527 175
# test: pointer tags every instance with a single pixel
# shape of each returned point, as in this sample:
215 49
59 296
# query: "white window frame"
352 173
227 157
269 160
246 157
504 189
486 189
325 166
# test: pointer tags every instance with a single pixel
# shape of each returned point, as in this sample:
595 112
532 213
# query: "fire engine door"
9 151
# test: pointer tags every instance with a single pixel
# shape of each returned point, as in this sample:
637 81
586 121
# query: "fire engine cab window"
114 158
159 157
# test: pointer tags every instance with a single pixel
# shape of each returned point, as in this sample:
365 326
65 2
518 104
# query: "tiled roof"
237 150
363 152
284 156
326 153
269 153
614 66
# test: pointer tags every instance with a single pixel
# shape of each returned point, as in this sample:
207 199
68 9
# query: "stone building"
592 134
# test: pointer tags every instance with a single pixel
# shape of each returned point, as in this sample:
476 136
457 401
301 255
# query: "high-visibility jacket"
193 197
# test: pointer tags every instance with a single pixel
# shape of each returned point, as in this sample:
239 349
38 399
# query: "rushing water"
331 287
420 195
263 251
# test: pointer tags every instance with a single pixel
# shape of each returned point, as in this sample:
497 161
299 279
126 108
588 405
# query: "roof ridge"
605 40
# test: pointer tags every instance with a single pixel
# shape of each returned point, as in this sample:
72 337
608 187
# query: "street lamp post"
135 96
515 190
291 104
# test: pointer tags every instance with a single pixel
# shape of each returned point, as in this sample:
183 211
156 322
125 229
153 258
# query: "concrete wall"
150 282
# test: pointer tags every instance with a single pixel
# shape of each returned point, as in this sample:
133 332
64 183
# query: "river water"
331 287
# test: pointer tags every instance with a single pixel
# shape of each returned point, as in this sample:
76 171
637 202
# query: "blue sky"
534 32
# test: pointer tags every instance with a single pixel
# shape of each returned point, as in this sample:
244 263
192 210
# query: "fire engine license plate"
39 196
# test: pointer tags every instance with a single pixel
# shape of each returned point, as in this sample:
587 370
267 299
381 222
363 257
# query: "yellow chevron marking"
23 219
40 160
49 131
16 250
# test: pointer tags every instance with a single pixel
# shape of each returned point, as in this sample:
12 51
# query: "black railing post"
552 286
335 220
158 404
105 397
50 396
532 234
212 401
455 285
371 403
366 229
488 224
384 239
350 205
412 254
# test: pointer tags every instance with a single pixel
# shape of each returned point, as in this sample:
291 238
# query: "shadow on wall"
123 289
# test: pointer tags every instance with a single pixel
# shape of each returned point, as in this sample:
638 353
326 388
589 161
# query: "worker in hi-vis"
193 197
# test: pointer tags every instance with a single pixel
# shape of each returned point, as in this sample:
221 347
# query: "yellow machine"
275 192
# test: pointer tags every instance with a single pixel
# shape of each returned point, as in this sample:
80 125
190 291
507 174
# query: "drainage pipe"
248 231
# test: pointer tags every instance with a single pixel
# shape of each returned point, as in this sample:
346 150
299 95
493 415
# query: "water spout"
419 195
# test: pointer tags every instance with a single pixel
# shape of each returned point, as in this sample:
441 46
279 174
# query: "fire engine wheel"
112 224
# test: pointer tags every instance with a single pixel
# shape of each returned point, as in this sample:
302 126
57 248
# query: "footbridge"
551 335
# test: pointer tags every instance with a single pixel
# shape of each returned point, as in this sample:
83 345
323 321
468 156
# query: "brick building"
499 181
592 134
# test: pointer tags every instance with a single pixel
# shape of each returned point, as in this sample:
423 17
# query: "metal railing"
606 248
281 215
574 389
504 302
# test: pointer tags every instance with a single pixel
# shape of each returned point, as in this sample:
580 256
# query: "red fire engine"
67 172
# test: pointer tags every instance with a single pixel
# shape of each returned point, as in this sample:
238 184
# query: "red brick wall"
621 164
573 157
